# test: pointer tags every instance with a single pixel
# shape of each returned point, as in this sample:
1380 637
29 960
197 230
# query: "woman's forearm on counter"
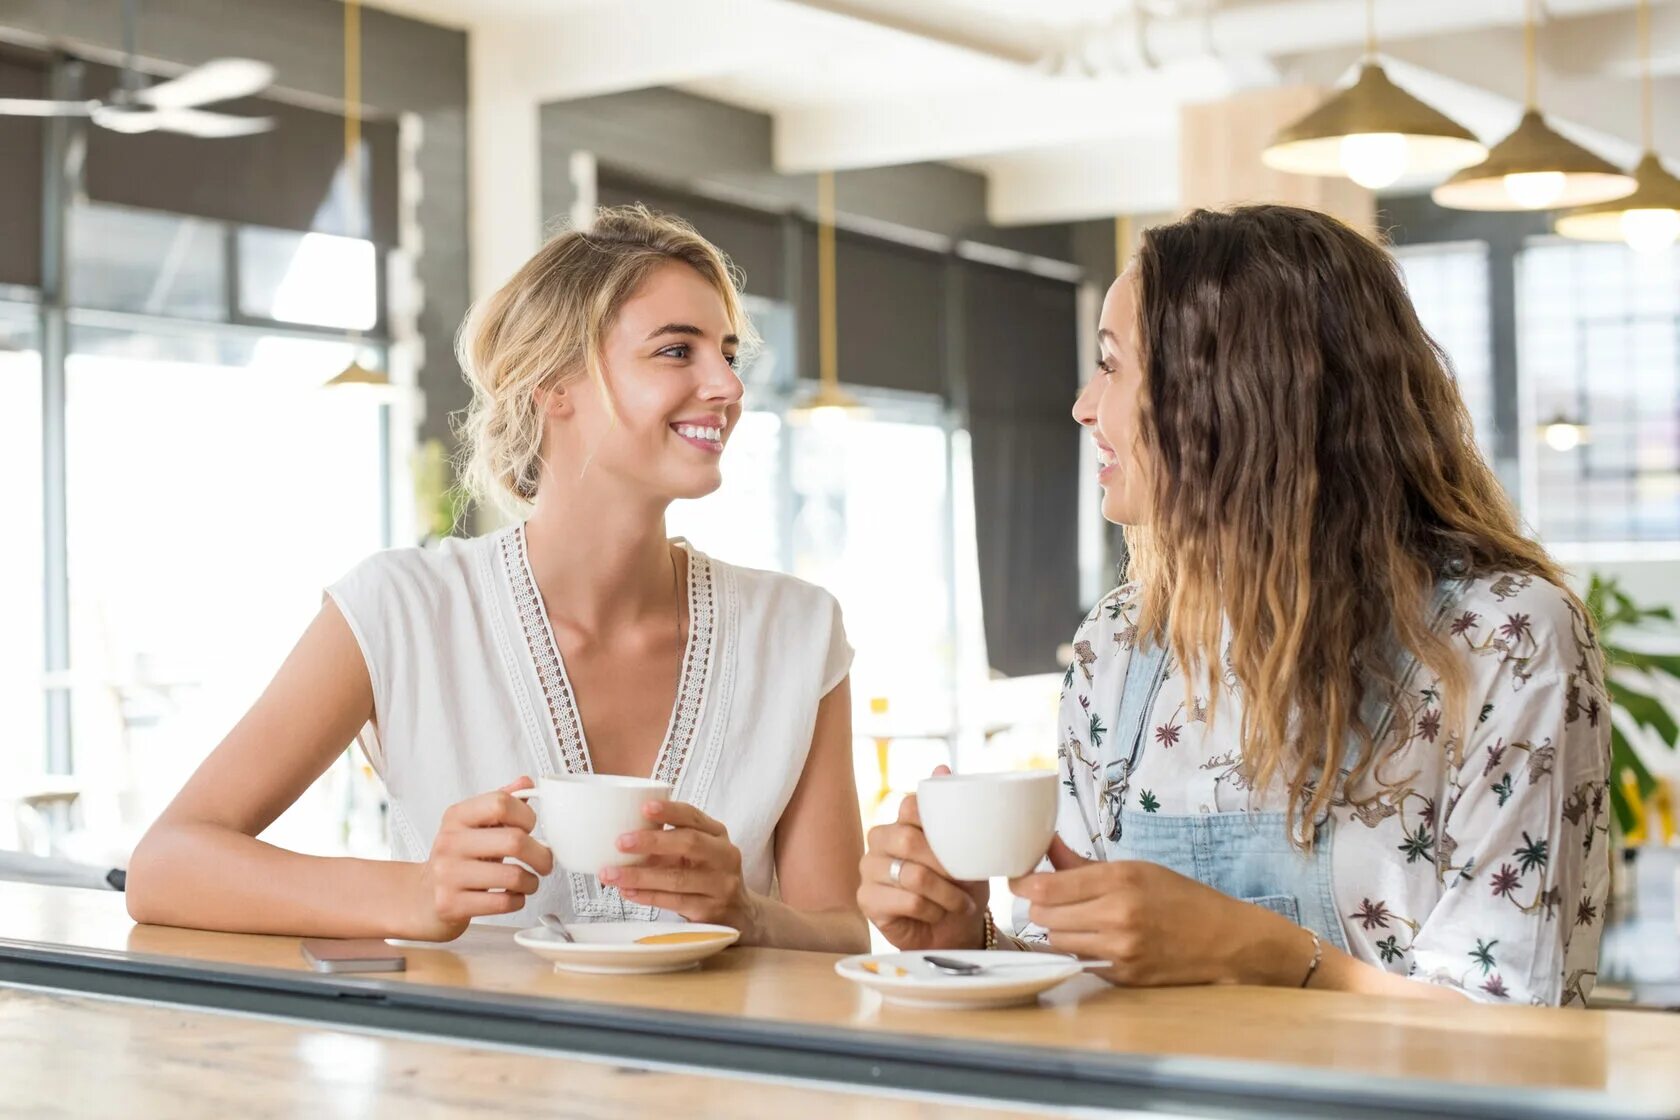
206 876
777 924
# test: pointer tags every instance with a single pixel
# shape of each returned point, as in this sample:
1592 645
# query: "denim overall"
1246 855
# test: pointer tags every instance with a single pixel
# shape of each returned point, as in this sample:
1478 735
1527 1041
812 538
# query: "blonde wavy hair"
1315 472
545 328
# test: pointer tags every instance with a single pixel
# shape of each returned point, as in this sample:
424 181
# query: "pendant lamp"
1373 132
1534 168
1649 218
1562 433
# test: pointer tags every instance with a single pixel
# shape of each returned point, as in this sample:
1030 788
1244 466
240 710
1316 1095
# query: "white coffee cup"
982 826
581 817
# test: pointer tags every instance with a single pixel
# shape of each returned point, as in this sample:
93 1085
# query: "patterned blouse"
1481 863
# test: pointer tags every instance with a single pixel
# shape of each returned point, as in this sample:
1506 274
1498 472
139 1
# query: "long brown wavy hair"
1314 473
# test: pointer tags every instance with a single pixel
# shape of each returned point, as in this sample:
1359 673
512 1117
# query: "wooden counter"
1250 1043
76 1055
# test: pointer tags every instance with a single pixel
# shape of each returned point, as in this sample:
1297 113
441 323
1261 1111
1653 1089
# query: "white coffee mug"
581 817
981 826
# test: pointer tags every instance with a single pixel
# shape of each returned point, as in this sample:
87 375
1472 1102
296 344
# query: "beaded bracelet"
1318 956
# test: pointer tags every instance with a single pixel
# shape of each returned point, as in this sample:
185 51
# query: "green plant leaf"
1649 662
1647 710
1622 757
1595 603
1612 608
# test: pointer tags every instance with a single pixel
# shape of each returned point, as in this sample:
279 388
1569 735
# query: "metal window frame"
61 183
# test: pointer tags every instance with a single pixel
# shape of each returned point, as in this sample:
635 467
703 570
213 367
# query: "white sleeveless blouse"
469 692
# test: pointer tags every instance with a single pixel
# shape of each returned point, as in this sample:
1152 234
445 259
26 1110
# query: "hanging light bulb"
1650 231
1649 218
1535 167
1535 190
1374 159
1563 434
1373 132
826 414
1562 437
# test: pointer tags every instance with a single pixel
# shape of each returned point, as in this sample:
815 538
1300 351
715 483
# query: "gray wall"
1020 365
408 67
23 140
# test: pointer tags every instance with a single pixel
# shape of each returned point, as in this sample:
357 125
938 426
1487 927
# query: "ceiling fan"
171 106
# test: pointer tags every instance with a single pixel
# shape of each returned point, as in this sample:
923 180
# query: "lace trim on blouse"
589 899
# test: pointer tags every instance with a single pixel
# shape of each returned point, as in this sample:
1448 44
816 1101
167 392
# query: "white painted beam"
1130 175
1291 26
609 46
1608 44
616 45
1005 117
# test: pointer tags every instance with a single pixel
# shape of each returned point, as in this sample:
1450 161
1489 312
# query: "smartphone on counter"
370 954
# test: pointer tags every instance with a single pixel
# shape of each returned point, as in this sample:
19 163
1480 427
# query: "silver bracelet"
1318 956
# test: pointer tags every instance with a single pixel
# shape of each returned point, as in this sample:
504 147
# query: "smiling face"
668 362
1110 407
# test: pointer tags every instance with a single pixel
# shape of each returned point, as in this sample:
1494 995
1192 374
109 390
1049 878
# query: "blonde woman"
580 639
1346 727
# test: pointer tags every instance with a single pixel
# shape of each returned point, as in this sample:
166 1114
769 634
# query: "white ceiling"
1070 107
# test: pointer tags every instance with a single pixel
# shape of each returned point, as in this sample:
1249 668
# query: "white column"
505 206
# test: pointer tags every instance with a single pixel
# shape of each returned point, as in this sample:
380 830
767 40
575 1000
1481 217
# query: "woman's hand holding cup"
908 894
467 875
688 865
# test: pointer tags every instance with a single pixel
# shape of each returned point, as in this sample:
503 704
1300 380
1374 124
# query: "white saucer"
615 949
906 978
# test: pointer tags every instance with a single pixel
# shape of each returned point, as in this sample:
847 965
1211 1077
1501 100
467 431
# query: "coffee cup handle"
530 797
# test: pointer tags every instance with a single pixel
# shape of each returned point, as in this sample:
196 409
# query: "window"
872 523
1599 345
860 507
22 641
178 267
312 278
155 264
1448 284
213 488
